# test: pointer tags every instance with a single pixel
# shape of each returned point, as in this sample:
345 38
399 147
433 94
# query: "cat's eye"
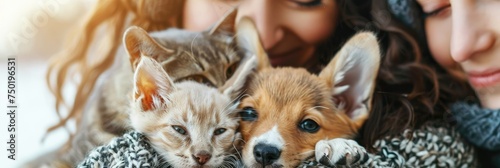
219 131
231 69
179 129
197 78
248 114
309 125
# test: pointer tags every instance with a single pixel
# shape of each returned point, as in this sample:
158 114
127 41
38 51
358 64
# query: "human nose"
470 31
266 16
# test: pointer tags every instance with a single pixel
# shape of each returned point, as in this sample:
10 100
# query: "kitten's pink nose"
202 157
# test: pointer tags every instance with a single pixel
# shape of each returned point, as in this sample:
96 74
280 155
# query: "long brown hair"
114 16
411 87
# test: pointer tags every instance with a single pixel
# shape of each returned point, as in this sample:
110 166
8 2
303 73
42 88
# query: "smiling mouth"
283 58
484 79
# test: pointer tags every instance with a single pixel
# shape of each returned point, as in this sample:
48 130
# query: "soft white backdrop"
33 31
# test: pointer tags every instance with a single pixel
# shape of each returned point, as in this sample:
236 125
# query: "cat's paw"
340 151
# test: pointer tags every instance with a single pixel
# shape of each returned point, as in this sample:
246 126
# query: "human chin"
296 57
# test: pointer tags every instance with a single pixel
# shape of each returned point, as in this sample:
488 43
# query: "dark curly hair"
411 87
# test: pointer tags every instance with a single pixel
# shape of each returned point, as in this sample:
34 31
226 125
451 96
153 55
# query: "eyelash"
312 3
437 11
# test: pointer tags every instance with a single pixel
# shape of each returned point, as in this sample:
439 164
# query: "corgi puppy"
288 113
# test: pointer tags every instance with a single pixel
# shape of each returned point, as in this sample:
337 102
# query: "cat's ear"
248 40
351 75
234 85
226 24
152 85
138 43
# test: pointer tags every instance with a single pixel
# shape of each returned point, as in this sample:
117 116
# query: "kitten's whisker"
237 151
192 42
250 96
306 152
241 139
233 102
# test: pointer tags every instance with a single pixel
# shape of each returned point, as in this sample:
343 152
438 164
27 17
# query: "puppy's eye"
219 131
179 129
309 125
248 114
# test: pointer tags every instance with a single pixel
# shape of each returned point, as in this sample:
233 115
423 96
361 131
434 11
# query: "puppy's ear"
152 85
235 85
138 43
226 24
248 40
351 75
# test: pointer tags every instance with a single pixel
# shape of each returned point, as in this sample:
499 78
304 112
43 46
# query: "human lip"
281 58
480 79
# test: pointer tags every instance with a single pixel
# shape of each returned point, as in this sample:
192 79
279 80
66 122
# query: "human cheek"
314 30
201 14
313 27
438 39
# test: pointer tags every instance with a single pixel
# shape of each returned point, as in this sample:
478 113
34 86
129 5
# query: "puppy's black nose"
266 154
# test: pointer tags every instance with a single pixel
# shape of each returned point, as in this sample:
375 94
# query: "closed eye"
439 11
308 3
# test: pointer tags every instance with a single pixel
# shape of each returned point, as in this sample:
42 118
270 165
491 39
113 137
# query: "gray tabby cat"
208 57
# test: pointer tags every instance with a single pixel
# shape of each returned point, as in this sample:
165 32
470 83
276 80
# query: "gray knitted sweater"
479 126
433 145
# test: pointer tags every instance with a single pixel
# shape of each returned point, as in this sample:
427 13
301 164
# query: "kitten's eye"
179 129
309 125
231 69
248 114
219 131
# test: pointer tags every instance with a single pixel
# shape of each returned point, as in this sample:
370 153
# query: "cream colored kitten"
190 124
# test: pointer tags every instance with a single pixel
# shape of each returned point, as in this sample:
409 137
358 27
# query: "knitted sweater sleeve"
430 146
129 150
480 126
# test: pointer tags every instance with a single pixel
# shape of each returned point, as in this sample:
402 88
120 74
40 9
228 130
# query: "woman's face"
290 30
199 15
463 36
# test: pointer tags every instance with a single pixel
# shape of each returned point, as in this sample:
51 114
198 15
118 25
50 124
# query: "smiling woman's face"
290 30
464 38
200 14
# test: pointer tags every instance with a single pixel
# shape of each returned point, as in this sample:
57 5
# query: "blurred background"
32 31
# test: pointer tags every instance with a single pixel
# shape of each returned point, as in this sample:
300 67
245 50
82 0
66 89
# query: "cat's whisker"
237 151
307 152
233 102
192 42
242 140
250 96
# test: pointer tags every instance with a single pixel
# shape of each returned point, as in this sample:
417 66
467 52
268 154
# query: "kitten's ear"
226 24
248 39
152 85
138 43
351 75
234 85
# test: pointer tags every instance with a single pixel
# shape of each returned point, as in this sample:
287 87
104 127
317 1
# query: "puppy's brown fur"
338 99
